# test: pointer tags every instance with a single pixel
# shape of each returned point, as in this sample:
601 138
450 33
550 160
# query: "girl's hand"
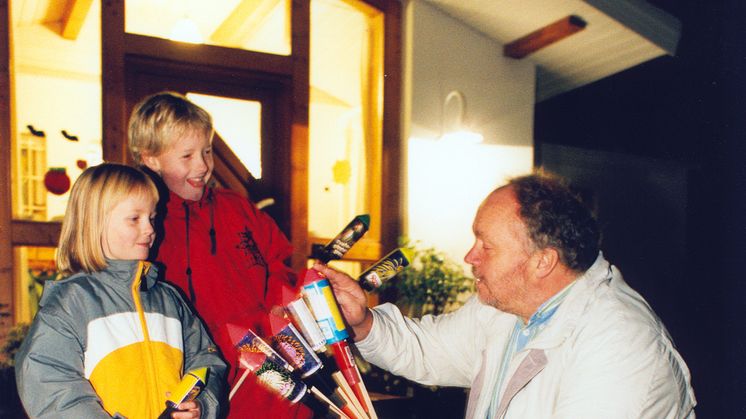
188 410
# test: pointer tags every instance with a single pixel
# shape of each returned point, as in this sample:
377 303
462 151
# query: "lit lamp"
185 30
453 122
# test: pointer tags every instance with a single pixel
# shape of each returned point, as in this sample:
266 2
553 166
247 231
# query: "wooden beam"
35 233
394 157
74 17
114 112
243 22
300 17
543 37
210 55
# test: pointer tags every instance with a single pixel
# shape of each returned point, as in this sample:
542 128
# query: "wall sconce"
453 122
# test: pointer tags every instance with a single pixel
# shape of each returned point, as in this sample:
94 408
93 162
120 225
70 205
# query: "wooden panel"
6 253
238 59
233 166
74 17
544 37
34 233
227 179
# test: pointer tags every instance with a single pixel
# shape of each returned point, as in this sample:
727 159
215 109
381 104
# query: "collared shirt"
523 334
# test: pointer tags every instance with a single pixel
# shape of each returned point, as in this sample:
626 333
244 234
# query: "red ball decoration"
57 181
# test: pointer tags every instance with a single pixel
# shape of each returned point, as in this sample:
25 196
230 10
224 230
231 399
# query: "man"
554 332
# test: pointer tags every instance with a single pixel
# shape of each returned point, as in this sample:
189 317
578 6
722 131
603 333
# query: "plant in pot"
432 284
10 405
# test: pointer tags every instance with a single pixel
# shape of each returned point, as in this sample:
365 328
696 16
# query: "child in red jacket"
226 255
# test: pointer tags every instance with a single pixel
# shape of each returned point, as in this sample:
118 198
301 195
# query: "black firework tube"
339 245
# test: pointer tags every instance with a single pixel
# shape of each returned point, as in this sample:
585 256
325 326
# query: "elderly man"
554 332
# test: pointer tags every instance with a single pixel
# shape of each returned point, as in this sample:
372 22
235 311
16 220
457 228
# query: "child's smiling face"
129 233
186 166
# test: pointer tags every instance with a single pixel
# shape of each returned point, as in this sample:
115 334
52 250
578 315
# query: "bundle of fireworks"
324 314
274 371
292 361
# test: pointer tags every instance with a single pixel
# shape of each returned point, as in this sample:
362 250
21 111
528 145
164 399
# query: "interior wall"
447 182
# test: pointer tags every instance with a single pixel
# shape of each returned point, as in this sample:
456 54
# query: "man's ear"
151 162
546 261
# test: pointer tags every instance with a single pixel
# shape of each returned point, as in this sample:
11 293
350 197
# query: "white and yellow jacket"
112 343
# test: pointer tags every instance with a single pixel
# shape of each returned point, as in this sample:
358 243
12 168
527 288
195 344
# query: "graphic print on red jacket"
236 256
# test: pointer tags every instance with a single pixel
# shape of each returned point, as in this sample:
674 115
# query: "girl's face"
129 233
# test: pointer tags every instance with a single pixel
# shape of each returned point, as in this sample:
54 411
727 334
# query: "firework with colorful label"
385 269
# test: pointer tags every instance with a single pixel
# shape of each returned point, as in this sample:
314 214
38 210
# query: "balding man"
553 332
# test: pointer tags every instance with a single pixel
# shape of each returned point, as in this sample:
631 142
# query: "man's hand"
188 410
352 301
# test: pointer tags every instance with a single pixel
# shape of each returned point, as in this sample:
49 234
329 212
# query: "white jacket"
604 354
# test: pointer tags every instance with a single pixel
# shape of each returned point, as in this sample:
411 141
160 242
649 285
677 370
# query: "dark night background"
661 148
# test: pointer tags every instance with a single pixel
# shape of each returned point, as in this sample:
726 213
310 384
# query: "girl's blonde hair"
158 121
96 192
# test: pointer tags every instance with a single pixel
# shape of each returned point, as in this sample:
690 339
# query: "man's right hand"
352 301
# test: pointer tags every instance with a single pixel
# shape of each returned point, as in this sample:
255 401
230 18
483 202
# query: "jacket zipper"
151 379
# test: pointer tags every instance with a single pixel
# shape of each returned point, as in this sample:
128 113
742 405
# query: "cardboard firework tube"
385 269
340 244
304 320
188 389
318 292
273 374
302 316
288 342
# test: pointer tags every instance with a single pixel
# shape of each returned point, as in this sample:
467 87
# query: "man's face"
186 166
500 254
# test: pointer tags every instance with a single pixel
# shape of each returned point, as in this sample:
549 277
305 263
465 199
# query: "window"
255 25
345 113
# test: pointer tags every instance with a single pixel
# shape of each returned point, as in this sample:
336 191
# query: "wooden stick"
346 391
371 410
245 374
319 395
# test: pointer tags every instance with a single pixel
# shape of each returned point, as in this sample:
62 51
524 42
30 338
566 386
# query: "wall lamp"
454 109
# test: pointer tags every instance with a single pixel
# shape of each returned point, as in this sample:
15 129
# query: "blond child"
226 255
110 339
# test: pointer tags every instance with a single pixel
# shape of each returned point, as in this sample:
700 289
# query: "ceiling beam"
543 37
243 22
74 16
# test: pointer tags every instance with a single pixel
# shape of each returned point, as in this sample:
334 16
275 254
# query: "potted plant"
10 404
432 284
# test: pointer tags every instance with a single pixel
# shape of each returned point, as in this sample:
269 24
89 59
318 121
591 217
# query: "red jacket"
237 273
